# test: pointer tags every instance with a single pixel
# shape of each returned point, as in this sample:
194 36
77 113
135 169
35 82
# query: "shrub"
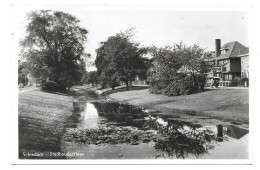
182 84
158 86
172 89
51 86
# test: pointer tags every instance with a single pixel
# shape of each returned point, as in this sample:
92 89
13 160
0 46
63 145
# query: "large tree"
54 47
177 69
119 58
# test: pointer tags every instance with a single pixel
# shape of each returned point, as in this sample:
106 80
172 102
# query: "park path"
26 89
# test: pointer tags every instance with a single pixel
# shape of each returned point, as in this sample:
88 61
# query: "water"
89 118
101 129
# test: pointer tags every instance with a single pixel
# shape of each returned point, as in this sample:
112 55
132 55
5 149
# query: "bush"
180 85
51 86
172 89
158 86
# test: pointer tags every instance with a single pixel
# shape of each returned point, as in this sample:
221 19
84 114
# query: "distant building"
230 61
31 79
138 81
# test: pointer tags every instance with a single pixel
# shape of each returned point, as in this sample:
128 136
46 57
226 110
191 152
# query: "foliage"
120 59
177 70
50 86
22 72
90 78
54 47
145 64
23 79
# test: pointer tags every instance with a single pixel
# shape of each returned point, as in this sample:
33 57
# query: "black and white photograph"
129 83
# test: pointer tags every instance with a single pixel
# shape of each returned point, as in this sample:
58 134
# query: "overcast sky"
153 26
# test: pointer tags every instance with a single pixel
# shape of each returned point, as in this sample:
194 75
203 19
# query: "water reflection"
235 132
112 123
89 117
121 113
183 138
220 133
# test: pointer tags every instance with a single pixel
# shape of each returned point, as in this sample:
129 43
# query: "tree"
194 65
90 78
22 72
167 61
119 58
53 47
106 68
177 69
146 63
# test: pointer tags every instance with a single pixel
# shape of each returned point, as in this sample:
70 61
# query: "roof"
234 49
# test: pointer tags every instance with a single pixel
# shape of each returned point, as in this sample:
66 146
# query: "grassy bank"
42 117
122 89
228 104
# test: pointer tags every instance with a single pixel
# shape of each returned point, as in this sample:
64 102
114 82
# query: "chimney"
218 46
217 50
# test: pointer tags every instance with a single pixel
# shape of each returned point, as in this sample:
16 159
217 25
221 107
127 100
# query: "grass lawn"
42 117
228 104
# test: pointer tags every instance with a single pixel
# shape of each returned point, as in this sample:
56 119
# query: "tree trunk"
130 84
202 87
113 84
127 85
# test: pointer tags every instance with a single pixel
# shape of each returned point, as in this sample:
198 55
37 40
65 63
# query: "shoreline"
169 105
44 116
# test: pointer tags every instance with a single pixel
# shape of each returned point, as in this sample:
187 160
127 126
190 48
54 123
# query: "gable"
234 49
239 49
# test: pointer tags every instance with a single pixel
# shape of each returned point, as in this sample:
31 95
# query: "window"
226 77
230 77
224 69
223 51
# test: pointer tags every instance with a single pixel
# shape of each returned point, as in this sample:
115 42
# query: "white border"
159 5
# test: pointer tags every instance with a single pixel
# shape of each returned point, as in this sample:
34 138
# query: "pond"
104 129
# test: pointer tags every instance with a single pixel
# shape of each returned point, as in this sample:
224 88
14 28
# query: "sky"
158 26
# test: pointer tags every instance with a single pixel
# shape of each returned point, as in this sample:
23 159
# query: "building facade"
230 63
244 66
